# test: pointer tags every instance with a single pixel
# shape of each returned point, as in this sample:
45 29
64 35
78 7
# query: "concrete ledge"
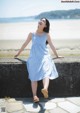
14 80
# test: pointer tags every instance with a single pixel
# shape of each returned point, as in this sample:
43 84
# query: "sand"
9 48
65 35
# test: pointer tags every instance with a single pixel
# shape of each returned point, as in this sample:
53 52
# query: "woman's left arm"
52 46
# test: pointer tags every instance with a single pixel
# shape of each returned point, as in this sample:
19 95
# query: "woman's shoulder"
47 34
31 34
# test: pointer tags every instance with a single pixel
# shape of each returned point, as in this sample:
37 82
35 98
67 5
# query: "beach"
64 33
9 48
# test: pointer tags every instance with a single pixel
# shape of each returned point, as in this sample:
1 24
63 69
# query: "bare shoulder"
30 35
48 35
49 39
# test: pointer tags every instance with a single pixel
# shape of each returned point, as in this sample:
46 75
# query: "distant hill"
60 14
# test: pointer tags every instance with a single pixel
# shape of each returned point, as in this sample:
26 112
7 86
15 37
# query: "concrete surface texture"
14 80
52 105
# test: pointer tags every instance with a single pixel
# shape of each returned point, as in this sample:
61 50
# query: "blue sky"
20 8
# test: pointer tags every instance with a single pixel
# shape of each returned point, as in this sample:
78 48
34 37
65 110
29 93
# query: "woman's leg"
34 87
46 83
34 91
45 87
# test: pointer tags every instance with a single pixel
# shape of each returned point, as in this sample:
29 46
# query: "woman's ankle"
34 96
45 88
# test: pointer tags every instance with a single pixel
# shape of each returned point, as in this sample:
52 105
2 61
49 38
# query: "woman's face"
42 23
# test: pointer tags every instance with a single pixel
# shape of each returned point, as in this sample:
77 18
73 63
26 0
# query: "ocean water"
16 20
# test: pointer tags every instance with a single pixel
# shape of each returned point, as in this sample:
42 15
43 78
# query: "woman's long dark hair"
46 29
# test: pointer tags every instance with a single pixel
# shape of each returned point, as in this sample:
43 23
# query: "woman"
39 63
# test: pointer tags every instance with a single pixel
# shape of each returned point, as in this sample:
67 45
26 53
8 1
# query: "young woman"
39 63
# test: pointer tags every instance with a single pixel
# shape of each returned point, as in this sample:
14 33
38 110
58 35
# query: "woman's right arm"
25 44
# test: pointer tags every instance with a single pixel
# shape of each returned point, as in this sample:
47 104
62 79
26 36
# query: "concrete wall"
14 80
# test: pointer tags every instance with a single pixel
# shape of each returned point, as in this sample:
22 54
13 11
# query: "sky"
23 8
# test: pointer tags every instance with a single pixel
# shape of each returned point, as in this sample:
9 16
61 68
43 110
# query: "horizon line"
39 13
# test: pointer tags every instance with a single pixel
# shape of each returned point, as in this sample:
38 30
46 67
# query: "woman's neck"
39 31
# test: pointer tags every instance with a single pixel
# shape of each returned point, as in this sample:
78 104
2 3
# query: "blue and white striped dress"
40 63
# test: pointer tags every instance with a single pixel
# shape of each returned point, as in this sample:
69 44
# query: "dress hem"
51 78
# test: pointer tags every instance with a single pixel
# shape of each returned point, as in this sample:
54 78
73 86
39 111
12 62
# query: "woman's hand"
59 57
16 55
